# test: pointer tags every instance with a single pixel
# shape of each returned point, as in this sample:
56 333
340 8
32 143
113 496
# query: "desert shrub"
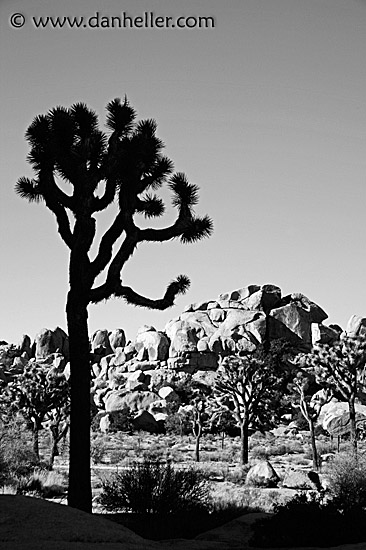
277 450
300 461
122 421
116 456
155 454
294 446
259 452
43 483
307 521
177 424
238 475
98 449
323 447
95 422
16 456
257 437
233 508
27 485
347 482
151 487
221 456
288 447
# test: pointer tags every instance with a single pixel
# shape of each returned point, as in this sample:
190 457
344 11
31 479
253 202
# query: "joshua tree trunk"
54 451
197 431
36 439
313 444
79 495
353 427
56 436
244 437
197 448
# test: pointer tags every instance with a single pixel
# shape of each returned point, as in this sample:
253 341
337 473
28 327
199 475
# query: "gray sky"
266 112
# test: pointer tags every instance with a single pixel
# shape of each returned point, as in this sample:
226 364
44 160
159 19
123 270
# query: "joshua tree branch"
104 254
176 287
100 203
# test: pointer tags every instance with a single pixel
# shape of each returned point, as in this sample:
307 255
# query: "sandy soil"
28 523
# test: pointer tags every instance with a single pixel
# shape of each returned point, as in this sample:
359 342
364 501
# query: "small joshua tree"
310 406
197 396
251 382
36 394
124 167
340 368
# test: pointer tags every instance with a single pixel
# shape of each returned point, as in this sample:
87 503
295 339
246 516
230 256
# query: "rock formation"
139 375
196 341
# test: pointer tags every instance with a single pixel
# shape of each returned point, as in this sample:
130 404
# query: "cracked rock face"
137 374
241 319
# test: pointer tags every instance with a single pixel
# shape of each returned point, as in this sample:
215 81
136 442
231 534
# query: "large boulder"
301 479
168 394
49 341
334 416
100 343
117 339
183 338
25 345
340 425
321 334
151 345
134 400
293 319
238 295
356 326
145 421
8 352
239 320
262 474
291 322
264 299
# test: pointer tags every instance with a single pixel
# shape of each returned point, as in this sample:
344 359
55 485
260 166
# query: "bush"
259 452
98 449
116 456
42 483
155 488
307 521
347 482
177 424
16 453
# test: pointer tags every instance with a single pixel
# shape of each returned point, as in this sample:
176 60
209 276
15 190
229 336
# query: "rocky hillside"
129 373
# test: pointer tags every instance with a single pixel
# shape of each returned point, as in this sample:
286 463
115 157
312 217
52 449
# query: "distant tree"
251 382
58 422
195 410
36 394
310 404
221 416
340 367
125 167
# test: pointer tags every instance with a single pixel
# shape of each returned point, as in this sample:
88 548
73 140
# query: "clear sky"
266 112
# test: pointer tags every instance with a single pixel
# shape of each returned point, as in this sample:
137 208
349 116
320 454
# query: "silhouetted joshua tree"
125 167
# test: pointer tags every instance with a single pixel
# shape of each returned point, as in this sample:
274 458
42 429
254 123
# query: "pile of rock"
137 375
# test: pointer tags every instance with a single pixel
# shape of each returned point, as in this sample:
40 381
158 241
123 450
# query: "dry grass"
219 465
